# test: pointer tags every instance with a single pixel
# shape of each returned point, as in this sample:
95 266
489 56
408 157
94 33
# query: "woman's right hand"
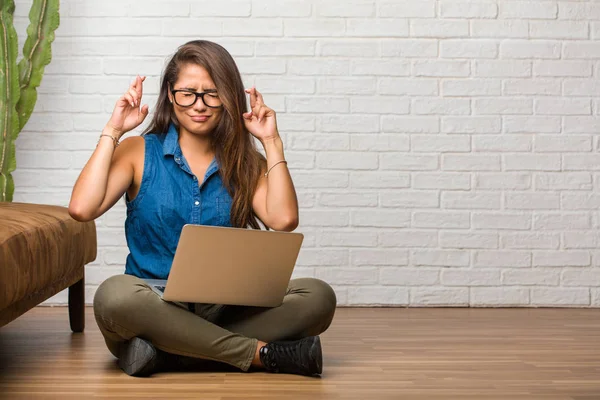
127 114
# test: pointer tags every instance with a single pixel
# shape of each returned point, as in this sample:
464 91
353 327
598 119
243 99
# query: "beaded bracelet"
278 162
115 140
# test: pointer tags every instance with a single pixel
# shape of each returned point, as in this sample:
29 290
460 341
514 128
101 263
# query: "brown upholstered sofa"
42 251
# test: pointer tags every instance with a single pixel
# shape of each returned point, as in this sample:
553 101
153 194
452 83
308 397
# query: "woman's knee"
322 299
117 295
326 293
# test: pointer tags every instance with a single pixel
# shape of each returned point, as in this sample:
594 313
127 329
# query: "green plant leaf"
37 52
9 97
9 183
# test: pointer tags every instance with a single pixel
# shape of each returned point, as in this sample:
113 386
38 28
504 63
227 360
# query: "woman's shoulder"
131 150
138 142
135 147
132 144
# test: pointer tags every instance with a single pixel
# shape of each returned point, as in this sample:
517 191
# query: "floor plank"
370 353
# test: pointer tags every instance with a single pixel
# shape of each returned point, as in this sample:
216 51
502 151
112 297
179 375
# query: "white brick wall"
444 152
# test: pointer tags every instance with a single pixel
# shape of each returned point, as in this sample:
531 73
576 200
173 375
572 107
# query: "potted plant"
18 81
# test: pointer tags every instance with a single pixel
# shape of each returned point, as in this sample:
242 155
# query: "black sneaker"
301 357
138 357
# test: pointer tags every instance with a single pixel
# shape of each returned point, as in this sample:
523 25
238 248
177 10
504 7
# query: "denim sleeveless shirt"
169 197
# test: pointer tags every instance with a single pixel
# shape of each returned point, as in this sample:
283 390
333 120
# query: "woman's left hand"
260 121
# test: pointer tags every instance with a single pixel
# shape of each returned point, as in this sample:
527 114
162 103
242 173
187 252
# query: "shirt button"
195 178
197 202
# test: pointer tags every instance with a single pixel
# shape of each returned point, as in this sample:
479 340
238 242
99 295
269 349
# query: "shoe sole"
317 355
136 356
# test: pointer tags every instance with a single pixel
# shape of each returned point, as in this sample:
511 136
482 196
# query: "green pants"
126 307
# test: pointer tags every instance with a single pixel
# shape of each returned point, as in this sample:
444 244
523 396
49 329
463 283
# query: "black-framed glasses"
187 98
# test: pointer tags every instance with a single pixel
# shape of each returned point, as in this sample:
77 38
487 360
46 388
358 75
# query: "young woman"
197 163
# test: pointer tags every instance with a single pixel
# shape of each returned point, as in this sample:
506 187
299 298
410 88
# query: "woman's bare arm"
104 179
109 171
275 201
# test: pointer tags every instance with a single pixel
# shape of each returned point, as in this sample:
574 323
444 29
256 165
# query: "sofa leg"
77 305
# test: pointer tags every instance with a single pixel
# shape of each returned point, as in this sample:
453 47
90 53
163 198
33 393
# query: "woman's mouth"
200 118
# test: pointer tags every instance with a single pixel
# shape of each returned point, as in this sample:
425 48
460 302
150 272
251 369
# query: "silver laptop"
218 265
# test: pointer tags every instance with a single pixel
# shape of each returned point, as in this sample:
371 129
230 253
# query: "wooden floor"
428 354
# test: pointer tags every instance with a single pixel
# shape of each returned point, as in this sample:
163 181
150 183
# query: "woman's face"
197 118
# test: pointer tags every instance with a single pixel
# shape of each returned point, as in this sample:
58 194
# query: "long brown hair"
240 164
